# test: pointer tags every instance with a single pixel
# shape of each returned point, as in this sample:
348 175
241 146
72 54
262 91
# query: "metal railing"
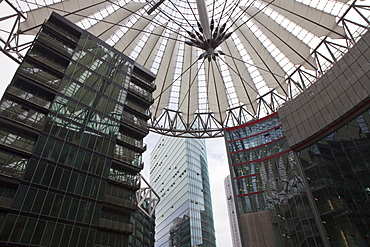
29 97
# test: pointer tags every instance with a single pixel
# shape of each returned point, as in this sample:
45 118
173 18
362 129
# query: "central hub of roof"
197 39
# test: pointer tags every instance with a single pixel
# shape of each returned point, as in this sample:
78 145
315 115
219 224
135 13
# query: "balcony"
137 124
142 93
55 44
18 117
128 160
119 201
6 202
48 62
116 226
144 81
53 84
124 178
29 97
137 108
61 32
132 142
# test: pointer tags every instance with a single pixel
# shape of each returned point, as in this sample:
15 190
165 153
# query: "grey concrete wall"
339 91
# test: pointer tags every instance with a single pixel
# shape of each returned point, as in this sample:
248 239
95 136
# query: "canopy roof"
218 63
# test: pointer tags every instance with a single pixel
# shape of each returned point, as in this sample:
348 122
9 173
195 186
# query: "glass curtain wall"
69 160
338 171
271 198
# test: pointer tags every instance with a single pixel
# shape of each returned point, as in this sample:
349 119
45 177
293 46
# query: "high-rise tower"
179 174
71 128
232 213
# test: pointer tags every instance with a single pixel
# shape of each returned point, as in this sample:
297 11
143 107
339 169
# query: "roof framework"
218 63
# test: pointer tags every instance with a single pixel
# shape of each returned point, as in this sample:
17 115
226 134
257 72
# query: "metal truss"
146 198
11 43
205 124
326 54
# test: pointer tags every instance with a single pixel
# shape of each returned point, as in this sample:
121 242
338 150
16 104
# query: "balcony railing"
61 31
119 201
141 93
137 123
15 171
55 44
137 108
29 97
123 178
128 160
54 84
16 117
144 80
132 141
116 225
6 202
43 59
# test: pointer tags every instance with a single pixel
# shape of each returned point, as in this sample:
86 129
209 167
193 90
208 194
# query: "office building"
231 211
72 123
144 227
300 174
179 175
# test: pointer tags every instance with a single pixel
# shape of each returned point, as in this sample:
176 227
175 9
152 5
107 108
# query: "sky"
216 152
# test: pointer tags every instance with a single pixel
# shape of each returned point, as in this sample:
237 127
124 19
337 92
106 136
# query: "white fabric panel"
38 16
86 12
148 53
189 84
217 99
133 33
323 22
165 75
292 47
104 29
262 59
243 83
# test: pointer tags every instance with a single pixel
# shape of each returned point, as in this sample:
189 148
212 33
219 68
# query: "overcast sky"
217 162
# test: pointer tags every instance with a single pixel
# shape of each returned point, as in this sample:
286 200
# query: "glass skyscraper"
71 128
179 175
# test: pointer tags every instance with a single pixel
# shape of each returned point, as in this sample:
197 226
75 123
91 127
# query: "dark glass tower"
71 128
338 170
300 176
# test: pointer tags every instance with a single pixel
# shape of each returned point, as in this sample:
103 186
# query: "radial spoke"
249 54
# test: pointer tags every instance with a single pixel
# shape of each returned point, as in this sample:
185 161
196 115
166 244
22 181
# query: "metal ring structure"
219 64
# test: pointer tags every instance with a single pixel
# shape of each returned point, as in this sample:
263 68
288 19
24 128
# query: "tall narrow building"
72 123
179 174
232 213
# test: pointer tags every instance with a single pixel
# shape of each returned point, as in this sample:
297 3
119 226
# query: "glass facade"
338 170
179 174
269 190
316 195
72 124
144 225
